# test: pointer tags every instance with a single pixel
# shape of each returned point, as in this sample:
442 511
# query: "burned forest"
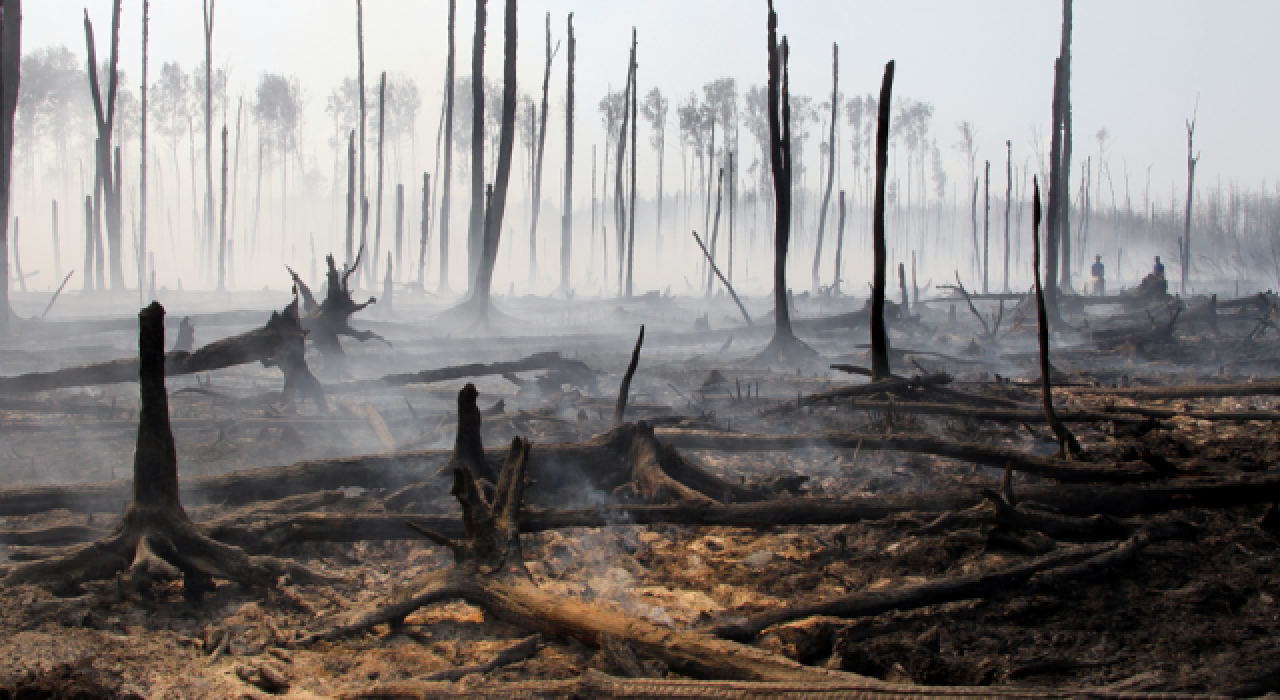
805 399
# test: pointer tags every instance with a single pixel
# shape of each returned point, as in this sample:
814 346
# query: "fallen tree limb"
1202 391
997 414
986 455
520 651
551 361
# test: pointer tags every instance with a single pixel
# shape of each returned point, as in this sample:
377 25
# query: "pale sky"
1138 64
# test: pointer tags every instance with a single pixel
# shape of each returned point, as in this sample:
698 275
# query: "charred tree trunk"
631 223
207 14
105 119
784 348
377 215
835 283
351 197
222 220
831 164
142 170
445 197
422 242
1191 184
476 227
879 336
363 200
624 391
1008 204
1064 170
400 227
1066 441
566 215
88 250
715 233
537 165
620 156
10 74
1052 243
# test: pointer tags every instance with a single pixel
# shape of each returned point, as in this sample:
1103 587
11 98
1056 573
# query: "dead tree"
1066 441
10 74
1191 183
631 223
400 226
443 286
88 249
831 164
566 210
422 242
479 306
537 163
222 220
476 226
363 201
351 197
712 263
155 540
879 336
785 348
835 283
142 168
107 184
624 390
1064 171
620 153
388 287
377 215
1008 204
715 232
332 318
986 230
207 15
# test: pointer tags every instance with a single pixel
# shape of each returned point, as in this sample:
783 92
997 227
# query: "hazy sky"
1138 64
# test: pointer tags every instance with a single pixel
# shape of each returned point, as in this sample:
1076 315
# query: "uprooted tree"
327 320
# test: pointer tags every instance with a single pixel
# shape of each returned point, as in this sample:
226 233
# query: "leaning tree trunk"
480 297
715 233
476 227
784 348
537 162
831 163
105 119
566 215
447 178
377 215
879 337
10 74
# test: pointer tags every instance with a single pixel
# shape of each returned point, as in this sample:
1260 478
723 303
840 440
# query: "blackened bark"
566 216
10 74
1064 170
105 119
364 220
879 337
620 153
1008 203
351 197
426 229
476 227
1056 195
222 221
986 230
715 232
537 167
207 15
620 408
1066 441
631 224
831 163
443 287
835 283
377 226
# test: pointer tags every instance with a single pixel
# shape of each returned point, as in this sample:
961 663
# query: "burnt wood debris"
547 471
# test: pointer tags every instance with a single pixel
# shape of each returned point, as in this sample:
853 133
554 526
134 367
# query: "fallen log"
550 361
997 414
986 455
1201 391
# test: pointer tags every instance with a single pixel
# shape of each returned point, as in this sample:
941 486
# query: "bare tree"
447 178
475 230
10 74
1192 160
222 225
835 282
566 215
206 9
1064 169
1008 203
363 201
105 183
377 227
986 229
831 163
620 152
142 164
785 347
422 244
879 336
635 119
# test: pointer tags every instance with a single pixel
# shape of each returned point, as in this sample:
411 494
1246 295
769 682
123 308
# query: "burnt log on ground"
1012 415
277 342
155 540
548 361
1194 391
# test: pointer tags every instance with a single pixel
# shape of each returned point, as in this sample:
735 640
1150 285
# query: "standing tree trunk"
566 215
10 74
207 12
631 224
422 244
364 220
443 287
88 250
784 348
732 191
1066 441
835 283
1191 183
351 197
986 230
57 247
105 119
715 233
142 168
831 163
1008 203
620 155
400 228
476 229
879 337
537 164
1064 170
377 215
1052 245
480 297
222 220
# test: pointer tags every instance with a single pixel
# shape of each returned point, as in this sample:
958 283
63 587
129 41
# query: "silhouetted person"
1099 276
1158 270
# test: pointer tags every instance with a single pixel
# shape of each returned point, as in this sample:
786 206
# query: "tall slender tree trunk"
620 155
88 248
235 183
400 228
377 215
879 336
831 164
142 165
1008 203
447 179
10 75
105 119
506 138
476 234
351 198
835 282
208 135
566 215
1191 185
732 190
537 166
222 220
57 247
1064 170
422 243
986 230
364 220
631 224
715 233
